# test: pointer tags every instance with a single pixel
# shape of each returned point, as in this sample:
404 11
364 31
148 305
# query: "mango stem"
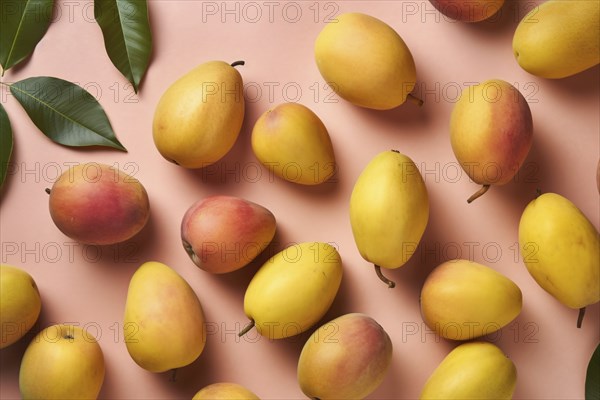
391 284
580 317
236 63
415 99
478 194
47 190
247 328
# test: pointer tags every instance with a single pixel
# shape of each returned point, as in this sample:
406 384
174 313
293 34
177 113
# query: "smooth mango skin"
389 209
559 38
293 142
20 304
468 10
491 131
462 300
224 391
62 362
365 61
95 203
164 323
199 117
474 370
346 358
294 289
222 234
560 248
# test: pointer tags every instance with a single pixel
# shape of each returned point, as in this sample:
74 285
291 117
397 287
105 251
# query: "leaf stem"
580 317
391 284
247 328
478 194
415 99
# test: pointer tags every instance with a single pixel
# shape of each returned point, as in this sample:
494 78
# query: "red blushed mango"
468 10
224 233
491 131
346 358
98 204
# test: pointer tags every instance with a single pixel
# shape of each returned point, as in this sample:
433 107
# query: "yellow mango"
462 300
559 38
472 371
164 323
389 210
293 290
293 143
365 61
199 117
20 304
224 391
62 362
561 250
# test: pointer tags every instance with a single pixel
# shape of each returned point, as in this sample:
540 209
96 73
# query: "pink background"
88 286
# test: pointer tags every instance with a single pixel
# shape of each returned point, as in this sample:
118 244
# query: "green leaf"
65 112
6 144
23 24
127 35
592 380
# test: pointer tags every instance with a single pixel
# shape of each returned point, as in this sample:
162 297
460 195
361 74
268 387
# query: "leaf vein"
48 105
14 41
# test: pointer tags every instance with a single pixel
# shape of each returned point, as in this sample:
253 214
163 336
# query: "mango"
293 143
472 371
199 117
62 362
560 248
468 10
491 131
462 300
20 304
225 233
559 38
293 290
346 358
164 322
389 210
366 62
98 204
224 391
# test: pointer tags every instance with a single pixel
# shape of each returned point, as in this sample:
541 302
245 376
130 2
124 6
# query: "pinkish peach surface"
345 358
84 285
468 10
224 233
96 204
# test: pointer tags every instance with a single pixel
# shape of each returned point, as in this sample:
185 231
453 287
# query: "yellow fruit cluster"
198 120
